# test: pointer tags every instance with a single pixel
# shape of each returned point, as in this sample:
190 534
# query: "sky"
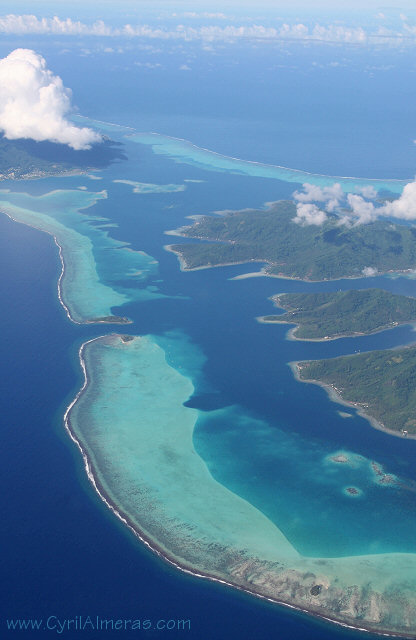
238 7
37 103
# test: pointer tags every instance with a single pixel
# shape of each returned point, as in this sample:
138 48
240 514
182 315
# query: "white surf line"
68 313
270 166
66 308
254 162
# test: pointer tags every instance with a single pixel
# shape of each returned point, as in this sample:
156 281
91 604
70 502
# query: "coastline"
69 173
61 276
162 552
335 397
291 334
263 272
184 267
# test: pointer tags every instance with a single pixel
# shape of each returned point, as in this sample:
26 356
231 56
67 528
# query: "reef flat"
144 187
183 151
327 252
381 384
331 315
136 437
86 295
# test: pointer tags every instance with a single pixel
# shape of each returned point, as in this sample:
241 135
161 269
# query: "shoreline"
335 397
183 264
59 283
157 549
69 173
262 272
291 334
184 267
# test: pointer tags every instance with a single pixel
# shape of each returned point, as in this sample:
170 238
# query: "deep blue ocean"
63 553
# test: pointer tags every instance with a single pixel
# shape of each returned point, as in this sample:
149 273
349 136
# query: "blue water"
62 551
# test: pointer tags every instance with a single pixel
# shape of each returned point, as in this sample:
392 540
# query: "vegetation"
382 383
325 252
20 159
343 313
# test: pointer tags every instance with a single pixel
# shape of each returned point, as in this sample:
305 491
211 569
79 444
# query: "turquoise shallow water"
83 237
186 152
133 427
132 422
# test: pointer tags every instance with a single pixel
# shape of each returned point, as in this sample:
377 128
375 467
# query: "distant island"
24 159
381 384
327 316
327 252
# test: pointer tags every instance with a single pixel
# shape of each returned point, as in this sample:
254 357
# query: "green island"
290 250
331 315
23 159
381 384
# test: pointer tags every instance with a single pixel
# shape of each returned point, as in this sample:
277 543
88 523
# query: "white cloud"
205 14
308 214
368 192
405 206
331 196
148 65
336 33
353 208
362 211
34 103
31 24
369 272
184 67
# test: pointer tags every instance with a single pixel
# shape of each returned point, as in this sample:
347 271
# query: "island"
24 159
380 384
332 315
289 250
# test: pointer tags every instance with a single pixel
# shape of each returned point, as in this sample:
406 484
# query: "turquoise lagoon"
188 153
137 438
185 152
84 242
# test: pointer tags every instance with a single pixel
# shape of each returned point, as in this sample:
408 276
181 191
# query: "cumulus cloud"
31 24
361 210
405 206
308 214
336 33
331 196
368 192
352 208
34 103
